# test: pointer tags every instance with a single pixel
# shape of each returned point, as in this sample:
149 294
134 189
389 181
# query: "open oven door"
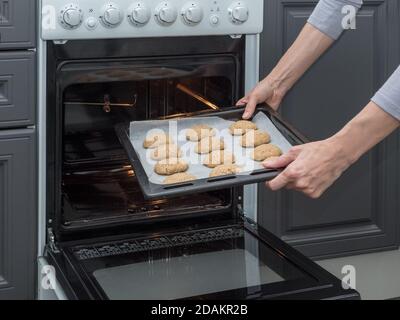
236 260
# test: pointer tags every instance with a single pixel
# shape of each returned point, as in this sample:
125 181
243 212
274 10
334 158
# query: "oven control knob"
140 14
192 13
239 13
71 16
166 13
112 16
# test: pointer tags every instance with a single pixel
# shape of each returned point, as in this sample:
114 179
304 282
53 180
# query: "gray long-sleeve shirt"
328 17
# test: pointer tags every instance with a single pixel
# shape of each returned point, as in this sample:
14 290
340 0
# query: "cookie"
154 140
179 178
224 170
265 151
218 157
209 144
198 132
166 151
168 167
254 139
240 127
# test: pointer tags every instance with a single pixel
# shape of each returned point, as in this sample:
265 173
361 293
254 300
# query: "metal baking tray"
153 190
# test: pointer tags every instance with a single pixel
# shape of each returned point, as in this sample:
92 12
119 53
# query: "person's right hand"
263 92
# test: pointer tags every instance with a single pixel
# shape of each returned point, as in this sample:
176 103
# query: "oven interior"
98 185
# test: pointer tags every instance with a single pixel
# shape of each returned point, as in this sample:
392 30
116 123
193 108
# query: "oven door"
236 260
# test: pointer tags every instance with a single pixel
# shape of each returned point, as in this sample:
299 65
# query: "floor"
377 274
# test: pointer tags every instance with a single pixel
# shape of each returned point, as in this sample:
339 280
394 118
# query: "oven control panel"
99 19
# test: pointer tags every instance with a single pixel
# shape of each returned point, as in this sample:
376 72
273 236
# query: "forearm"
308 47
323 28
362 133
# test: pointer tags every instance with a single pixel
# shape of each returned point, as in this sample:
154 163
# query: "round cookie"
168 167
254 139
218 157
179 178
240 127
166 151
265 151
154 140
224 170
209 144
198 132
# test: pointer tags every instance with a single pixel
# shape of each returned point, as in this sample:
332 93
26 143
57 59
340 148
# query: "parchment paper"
139 130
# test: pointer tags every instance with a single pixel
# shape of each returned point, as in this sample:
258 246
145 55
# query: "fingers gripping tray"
192 161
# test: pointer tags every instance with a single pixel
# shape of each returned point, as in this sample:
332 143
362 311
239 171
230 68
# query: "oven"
112 63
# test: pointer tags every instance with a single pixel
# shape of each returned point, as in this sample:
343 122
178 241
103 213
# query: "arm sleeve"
388 97
327 16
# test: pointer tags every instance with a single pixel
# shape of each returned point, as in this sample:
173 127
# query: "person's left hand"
310 168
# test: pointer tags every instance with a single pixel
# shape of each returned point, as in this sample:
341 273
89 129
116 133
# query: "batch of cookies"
168 155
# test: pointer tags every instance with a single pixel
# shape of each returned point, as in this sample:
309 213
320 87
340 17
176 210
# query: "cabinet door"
17 89
17 24
359 213
17 214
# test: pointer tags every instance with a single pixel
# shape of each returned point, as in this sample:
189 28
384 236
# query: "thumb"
250 107
279 162
242 101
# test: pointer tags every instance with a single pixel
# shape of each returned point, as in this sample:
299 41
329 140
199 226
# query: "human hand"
265 91
310 168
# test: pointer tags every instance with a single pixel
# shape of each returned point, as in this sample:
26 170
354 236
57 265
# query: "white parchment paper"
139 130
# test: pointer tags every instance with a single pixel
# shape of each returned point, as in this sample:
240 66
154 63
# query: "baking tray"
152 190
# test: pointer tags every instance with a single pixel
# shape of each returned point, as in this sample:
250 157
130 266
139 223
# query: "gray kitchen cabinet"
17 88
17 214
360 212
18 167
17 24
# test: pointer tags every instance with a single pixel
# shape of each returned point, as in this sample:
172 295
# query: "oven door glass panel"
204 264
185 276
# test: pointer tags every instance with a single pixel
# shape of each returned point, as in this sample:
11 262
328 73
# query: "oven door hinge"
240 211
242 215
52 240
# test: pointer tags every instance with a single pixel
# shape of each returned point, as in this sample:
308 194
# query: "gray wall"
360 212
